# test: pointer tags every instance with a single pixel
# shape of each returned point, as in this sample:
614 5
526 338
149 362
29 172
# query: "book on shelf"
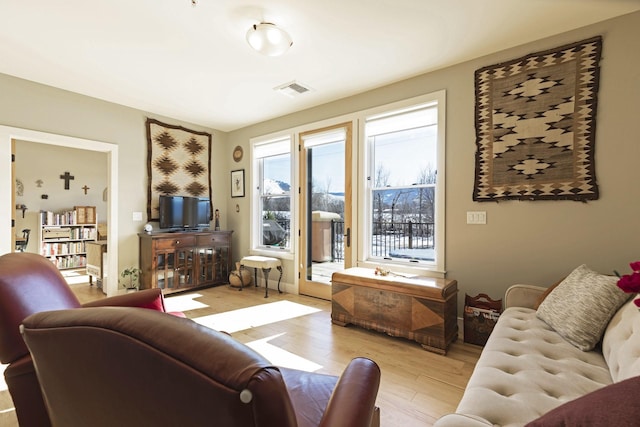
63 248
71 261
80 215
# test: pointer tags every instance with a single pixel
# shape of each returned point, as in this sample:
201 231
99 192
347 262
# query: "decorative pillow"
580 307
545 294
615 404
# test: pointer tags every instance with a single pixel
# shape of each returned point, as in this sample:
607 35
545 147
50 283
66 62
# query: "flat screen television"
184 213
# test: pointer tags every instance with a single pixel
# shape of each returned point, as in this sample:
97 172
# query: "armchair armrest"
147 298
352 403
523 296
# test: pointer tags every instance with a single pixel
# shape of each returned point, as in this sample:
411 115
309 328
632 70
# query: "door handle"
348 236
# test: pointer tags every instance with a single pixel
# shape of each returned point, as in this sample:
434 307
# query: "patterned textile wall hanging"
178 164
536 124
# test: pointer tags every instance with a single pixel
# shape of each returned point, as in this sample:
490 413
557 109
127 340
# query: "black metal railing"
388 237
337 240
395 236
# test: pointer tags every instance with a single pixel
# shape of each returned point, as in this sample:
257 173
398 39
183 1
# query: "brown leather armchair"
132 367
30 283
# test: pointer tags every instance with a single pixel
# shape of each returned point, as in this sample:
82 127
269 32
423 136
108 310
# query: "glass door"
174 269
325 207
183 268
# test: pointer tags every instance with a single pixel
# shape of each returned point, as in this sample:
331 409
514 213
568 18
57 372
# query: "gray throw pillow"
580 307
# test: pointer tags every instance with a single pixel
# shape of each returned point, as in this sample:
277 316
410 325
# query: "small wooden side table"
422 309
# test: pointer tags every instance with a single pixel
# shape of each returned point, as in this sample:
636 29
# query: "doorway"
326 242
7 207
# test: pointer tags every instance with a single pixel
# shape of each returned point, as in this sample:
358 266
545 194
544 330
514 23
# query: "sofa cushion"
580 307
526 369
615 404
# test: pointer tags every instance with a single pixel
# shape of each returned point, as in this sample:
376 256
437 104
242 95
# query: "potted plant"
130 277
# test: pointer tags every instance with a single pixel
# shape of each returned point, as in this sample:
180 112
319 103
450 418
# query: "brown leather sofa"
132 367
29 283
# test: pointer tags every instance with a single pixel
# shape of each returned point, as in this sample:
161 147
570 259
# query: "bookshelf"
63 236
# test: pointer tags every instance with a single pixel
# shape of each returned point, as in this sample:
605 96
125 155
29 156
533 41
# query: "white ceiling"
193 63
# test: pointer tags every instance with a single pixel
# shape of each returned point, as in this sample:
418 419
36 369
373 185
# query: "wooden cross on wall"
85 188
67 177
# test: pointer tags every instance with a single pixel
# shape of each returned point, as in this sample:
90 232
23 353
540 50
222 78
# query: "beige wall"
28 105
534 242
46 163
527 242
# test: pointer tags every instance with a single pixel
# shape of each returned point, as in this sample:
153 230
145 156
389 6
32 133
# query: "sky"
401 154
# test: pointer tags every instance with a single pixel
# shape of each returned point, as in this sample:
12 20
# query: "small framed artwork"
237 183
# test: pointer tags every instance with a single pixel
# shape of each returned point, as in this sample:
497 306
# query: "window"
403 197
395 181
272 194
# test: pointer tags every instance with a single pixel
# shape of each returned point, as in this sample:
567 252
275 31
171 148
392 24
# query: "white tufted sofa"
526 369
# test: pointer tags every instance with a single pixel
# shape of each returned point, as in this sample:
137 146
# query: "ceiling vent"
293 89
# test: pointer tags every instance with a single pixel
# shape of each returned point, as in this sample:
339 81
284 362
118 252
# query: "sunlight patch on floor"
252 317
183 302
280 357
75 277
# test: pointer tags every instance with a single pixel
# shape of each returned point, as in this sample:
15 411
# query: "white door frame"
7 134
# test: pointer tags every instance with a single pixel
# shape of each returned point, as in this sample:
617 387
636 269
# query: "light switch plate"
476 217
137 216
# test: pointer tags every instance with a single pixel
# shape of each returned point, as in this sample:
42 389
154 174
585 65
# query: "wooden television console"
184 260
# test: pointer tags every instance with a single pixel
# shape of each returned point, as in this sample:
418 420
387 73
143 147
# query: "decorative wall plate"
237 153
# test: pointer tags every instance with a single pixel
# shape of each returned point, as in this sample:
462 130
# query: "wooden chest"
422 309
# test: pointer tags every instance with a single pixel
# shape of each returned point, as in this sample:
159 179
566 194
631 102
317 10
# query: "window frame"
361 197
256 196
365 201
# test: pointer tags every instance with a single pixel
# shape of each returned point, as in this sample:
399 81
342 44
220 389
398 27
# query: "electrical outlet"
137 216
476 217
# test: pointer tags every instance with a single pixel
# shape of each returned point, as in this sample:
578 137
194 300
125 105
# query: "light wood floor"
417 386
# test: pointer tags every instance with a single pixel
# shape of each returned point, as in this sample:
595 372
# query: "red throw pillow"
156 304
613 405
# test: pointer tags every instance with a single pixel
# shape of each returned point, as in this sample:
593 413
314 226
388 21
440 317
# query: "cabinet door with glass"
214 257
168 263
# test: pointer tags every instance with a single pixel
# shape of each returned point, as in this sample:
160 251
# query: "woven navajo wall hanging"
178 164
535 125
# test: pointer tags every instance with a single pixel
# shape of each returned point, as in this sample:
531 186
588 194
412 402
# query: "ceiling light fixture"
268 39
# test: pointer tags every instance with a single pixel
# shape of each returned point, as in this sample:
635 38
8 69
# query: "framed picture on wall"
237 183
